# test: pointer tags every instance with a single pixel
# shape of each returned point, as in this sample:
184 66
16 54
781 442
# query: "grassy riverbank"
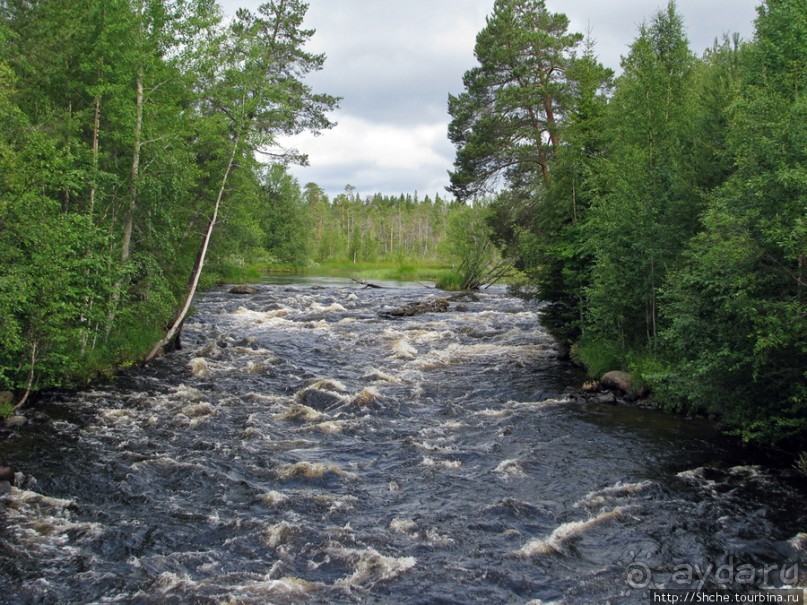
383 271
427 272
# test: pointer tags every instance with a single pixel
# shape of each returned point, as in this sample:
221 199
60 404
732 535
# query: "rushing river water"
303 449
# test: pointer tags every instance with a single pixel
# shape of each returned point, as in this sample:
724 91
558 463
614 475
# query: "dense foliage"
127 128
661 214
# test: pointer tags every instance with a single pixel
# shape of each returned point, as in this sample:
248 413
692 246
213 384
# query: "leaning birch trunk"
197 270
30 383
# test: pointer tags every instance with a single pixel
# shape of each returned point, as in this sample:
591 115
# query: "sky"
394 63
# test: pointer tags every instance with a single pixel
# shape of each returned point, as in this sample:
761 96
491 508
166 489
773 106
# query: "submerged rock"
591 386
319 399
40 416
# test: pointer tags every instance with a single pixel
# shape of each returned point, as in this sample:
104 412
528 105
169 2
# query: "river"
301 448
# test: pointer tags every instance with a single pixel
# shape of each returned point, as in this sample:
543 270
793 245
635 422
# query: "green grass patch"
416 271
599 357
450 281
233 274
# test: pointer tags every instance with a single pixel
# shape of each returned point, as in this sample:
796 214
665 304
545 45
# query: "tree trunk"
135 172
29 384
200 261
96 128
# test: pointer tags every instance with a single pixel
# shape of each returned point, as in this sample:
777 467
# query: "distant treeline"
358 229
661 213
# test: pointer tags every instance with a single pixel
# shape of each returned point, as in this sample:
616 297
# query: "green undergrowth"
380 271
451 281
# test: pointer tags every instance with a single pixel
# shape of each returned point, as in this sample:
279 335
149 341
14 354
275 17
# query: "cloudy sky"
394 62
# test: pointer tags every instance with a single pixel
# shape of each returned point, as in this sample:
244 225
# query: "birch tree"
254 93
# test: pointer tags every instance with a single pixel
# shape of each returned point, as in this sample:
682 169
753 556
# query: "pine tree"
506 123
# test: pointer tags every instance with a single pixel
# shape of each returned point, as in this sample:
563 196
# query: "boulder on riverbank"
243 289
614 387
622 382
617 381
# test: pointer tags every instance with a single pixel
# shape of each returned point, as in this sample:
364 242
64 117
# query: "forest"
138 145
140 161
660 214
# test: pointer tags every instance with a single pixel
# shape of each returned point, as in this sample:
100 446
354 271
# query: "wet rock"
416 308
5 487
15 422
603 398
591 386
243 289
464 297
319 399
7 474
40 417
576 395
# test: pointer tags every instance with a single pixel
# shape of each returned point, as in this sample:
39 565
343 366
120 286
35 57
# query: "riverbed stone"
603 398
40 416
7 474
319 399
243 289
591 386
15 422
416 308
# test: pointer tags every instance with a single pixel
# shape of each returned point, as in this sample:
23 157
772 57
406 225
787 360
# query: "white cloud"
387 146
395 62
376 157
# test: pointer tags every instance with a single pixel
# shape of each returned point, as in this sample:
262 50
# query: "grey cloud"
396 61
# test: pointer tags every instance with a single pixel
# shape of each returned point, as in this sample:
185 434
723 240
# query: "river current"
302 448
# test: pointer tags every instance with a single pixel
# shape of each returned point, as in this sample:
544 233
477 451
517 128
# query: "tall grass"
426 271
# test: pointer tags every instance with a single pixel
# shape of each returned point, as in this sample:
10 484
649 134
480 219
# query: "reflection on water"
301 448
